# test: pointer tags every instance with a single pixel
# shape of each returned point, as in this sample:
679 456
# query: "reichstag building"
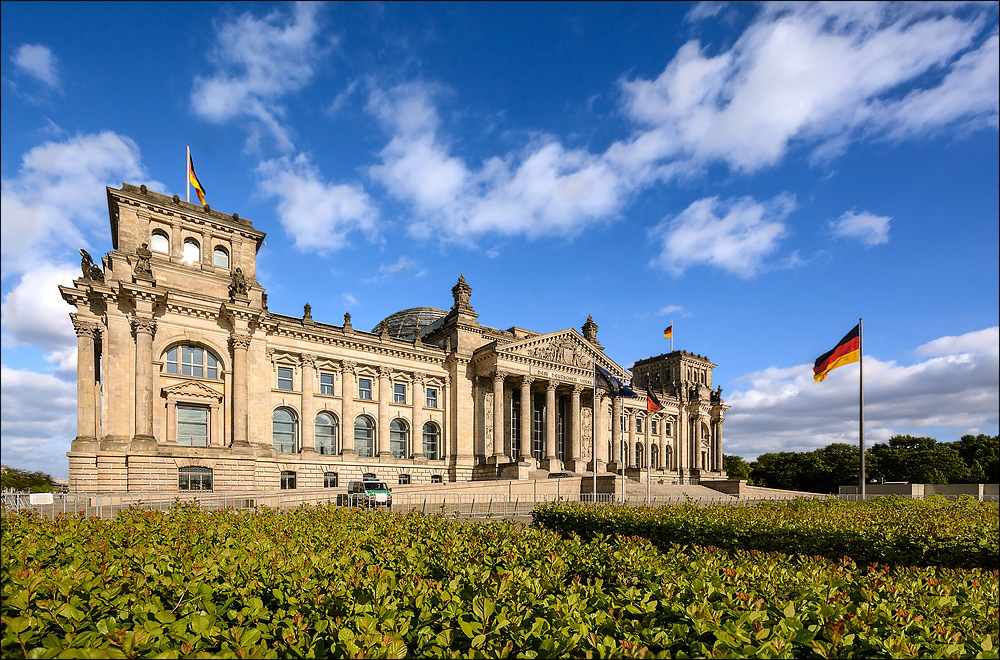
187 382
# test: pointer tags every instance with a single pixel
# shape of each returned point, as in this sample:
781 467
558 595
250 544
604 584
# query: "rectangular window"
666 428
653 426
194 478
284 378
432 397
287 480
365 388
398 393
172 360
329 480
326 384
192 426
192 361
638 424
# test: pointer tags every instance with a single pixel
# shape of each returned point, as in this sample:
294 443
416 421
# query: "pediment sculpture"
561 349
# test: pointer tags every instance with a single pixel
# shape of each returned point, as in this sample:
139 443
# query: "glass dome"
403 324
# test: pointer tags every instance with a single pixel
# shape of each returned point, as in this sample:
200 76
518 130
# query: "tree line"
972 459
12 479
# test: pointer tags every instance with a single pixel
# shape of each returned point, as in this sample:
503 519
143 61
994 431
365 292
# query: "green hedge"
931 532
325 582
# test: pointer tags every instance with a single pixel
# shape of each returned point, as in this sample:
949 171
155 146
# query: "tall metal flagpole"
861 403
621 449
671 335
593 434
187 175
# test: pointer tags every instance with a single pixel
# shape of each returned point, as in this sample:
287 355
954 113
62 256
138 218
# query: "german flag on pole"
846 351
652 403
193 180
669 332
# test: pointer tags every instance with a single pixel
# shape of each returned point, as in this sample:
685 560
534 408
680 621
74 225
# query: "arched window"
193 361
654 457
404 480
666 458
436 479
194 478
364 436
159 241
638 455
432 443
220 257
284 431
330 479
192 251
397 438
326 433
287 480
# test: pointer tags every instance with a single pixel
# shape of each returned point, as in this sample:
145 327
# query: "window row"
286 381
654 426
200 478
159 241
285 435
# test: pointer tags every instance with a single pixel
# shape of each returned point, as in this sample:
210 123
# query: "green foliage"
736 467
328 582
22 480
934 532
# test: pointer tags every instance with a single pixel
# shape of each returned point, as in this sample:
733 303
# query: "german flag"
193 179
669 332
846 351
652 403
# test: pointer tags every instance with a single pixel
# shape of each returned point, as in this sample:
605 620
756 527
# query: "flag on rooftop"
603 380
652 403
846 351
668 333
193 180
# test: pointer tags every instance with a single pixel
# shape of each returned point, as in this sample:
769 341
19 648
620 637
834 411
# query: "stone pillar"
87 333
384 395
575 459
240 344
446 430
349 378
207 251
417 417
498 456
616 434
144 328
633 457
664 465
308 406
526 382
552 462
649 441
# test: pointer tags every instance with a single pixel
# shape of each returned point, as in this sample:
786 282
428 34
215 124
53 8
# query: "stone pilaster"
633 458
574 461
144 329
240 345
616 435
308 405
417 417
498 456
551 462
87 334
526 382
384 396
349 378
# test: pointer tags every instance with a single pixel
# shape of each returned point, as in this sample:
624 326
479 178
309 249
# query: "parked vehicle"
368 493
560 475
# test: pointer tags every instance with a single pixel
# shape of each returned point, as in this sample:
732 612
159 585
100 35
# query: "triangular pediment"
193 389
565 347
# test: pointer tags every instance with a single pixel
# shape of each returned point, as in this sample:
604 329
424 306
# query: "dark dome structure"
404 323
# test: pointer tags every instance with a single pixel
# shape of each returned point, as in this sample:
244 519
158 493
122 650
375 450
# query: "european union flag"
603 380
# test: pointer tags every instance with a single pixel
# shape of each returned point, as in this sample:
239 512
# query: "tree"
736 467
21 480
981 454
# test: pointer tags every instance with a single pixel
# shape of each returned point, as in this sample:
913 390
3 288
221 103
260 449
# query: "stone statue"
347 321
307 312
142 257
263 300
239 285
91 271
447 345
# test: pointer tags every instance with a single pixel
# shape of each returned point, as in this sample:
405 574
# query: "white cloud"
37 420
259 61
954 390
35 314
349 300
57 200
735 235
866 227
317 214
38 62
669 309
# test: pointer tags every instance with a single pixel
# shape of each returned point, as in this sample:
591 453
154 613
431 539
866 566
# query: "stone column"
552 462
663 443
446 431
417 417
308 409
384 395
87 333
649 441
207 251
616 434
498 426
526 382
240 344
347 394
575 458
144 329
633 461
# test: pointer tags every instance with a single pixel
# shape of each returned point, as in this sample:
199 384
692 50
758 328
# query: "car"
368 493
560 475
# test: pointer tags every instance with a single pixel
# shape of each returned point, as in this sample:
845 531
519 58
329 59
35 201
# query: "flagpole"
649 446
593 434
187 176
861 404
621 449
671 335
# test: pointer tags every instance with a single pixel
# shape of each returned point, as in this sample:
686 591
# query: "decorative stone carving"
462 292
263 300
308 360
239 285
563 350
385 332
86 328
240 341
590 330
91 271
347 322
417 378
586 433
307 312
143 324
384 372
350 367
499 375
141 267
447 345
488 430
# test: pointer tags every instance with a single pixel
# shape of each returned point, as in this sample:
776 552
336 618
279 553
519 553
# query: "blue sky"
763 175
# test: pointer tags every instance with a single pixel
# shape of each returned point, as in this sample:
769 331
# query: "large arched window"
194 478
220 257
284 431
192 251
432 441
364 436
159 241
193 361
326 433
654 457
397 438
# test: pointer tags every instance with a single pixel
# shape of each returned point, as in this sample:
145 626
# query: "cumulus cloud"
38 62
38 420
57 200
33 312
736 235
317 214
259 61
669 309
866 227
954 390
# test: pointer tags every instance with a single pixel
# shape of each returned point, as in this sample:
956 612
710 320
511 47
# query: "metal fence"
469 505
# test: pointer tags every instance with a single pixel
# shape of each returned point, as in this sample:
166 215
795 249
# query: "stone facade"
187 381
